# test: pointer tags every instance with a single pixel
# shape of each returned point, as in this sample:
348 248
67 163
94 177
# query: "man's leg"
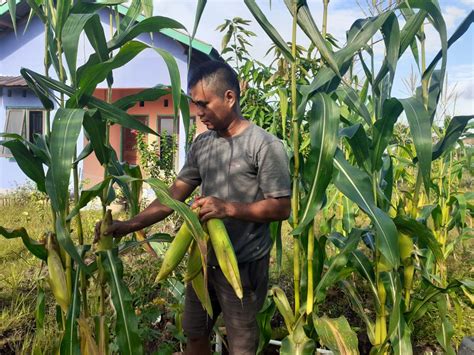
240 316
197 324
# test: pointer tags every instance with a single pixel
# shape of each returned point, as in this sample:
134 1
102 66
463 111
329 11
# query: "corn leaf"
126 326
62 12
361 263
36 248
298 343
350 97
420 128
269 29
323 124
27 161
264 317
151 24
445 331
336 334
281 301
88 195
307 24
359 143
40 309
415 229
356 185
453 132
70 342
383 130
95 128
12 10
73 28
150 94
108 111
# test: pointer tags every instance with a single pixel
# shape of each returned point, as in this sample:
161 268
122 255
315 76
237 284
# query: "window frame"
26 122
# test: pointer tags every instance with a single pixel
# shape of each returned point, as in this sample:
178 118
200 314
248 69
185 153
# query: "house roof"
12 81
22 12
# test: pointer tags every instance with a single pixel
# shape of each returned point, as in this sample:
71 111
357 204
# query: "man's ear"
230 98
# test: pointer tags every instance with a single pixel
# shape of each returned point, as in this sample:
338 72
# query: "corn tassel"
175 252
202 293
194 263
57 279
225 254
106 242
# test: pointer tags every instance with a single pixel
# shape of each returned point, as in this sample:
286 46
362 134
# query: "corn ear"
175 252
200 288
57 279
106 242
194 263
225 254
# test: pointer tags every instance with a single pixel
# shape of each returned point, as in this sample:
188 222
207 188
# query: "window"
24 122
168 140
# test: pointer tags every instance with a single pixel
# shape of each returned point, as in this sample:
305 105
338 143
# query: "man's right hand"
117 229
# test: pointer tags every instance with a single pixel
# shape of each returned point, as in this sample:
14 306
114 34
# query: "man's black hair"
217 74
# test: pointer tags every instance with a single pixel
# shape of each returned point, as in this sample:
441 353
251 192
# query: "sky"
341 15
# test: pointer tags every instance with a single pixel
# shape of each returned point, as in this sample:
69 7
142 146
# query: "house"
21 111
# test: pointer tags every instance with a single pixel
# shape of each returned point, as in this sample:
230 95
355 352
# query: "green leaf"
418 230
65 131
151 24
126 326
336 334
264 317
88 195
28 163
323 124
96 130
73 28
281 302
70 343
173 70
84 154
462 28
12 10
359 143
36 248
350 97
410 30
40 309
383 130
269 29
361 263
41 93
150 94
135 187
446 331
453 132
307 24
297 343
108 111
391 36
62 11
356 185
420 129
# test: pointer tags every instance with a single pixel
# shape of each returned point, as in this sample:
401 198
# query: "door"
129 142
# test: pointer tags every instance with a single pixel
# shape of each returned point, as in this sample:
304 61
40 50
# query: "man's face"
213 110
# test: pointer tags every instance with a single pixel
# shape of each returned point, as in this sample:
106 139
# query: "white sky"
342 13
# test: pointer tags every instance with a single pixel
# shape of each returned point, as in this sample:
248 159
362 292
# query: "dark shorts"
239 315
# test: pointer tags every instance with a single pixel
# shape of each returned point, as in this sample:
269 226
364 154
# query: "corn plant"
77 270
349 132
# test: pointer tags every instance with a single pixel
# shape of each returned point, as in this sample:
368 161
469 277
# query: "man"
243 175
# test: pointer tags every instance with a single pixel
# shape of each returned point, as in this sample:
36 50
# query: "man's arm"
267 210
155 212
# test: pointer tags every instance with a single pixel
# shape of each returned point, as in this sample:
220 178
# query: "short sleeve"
190 171
273 170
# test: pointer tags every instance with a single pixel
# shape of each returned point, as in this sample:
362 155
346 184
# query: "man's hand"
212 207
117 229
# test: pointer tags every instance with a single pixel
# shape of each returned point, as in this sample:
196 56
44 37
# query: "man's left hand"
212 207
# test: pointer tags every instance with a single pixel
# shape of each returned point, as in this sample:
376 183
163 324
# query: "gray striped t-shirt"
246 168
